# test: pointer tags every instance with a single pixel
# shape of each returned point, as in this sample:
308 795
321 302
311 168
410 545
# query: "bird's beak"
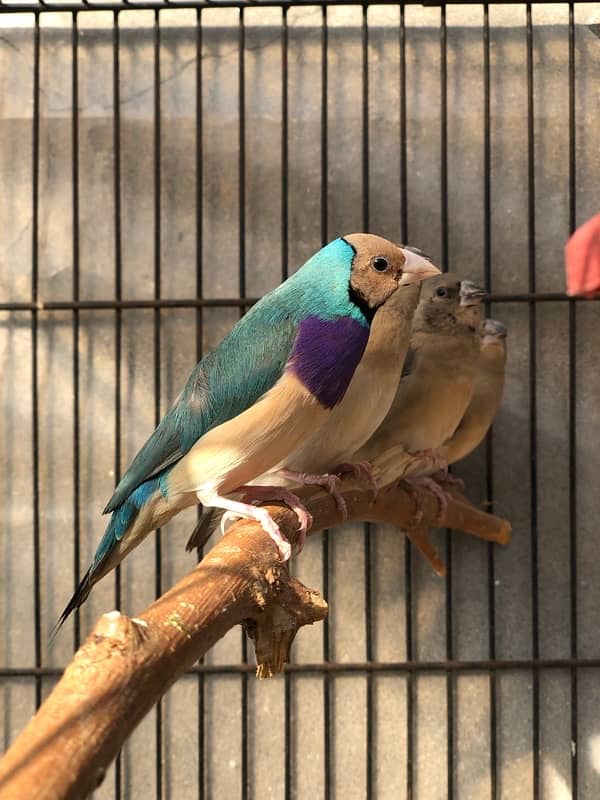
470 293
491 327
416 268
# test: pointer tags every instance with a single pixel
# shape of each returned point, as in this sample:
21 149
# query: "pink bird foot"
252 493
359 469
435 489
331 484
445 479
417 502
257 513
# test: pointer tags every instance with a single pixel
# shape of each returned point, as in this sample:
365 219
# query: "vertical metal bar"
157 344
325 551
366 526
242 290
75 211
157 259
284 145
324 128
444 145
448 538
199 329
573 415
37 593
242 154
533 400
284 274
489 452
365 118
408 605
369 657
403 173
118 297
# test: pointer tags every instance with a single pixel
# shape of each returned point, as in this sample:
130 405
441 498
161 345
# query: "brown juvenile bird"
487 393
436 385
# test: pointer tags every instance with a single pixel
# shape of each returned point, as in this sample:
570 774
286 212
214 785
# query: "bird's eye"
441 292
380 264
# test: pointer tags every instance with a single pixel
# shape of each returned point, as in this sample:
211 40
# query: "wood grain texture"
127 664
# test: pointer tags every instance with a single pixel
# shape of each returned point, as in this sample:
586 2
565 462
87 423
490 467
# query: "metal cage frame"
450 667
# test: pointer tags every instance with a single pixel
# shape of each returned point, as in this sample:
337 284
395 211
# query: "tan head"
380 267
449 304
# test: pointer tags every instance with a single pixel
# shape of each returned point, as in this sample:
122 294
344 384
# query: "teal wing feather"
226 382
230 379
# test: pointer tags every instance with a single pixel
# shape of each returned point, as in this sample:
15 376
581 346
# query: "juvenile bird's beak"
491 327
470 293
416 268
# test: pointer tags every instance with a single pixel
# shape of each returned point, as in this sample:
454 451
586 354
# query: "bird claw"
229 517
417 501
429 460
331 484
244 509
359 469
445 479
277 493
435 489
272 528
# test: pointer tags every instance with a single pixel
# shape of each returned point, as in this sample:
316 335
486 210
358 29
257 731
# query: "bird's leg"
248 511
330 483
417 502
435 489
442 473
359 469
252 493
445 479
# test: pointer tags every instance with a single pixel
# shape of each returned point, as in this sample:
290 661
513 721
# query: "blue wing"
230 379
247 363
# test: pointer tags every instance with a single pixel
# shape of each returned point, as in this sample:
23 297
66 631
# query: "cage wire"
164 164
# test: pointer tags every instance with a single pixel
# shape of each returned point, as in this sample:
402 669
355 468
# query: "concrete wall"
218 254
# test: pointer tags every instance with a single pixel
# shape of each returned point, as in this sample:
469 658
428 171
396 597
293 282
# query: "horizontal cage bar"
330 667
122 5
234 302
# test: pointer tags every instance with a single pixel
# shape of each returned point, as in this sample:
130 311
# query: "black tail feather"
79 597
207 523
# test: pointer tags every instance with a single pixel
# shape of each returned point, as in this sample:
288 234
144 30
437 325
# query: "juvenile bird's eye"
441 292
380 263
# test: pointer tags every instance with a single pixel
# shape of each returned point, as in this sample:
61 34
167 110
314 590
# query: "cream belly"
239 450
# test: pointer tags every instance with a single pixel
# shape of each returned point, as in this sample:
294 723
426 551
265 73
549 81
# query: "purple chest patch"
325 355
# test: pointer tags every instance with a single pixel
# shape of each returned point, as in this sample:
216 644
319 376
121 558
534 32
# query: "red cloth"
582 259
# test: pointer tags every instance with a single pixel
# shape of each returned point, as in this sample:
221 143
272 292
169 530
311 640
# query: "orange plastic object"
582 259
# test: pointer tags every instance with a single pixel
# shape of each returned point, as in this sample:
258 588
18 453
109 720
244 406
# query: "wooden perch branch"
126 665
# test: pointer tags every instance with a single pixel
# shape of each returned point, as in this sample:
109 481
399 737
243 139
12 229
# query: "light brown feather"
487 394
242 448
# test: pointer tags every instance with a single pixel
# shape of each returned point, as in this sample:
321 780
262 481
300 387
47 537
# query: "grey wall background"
463 600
